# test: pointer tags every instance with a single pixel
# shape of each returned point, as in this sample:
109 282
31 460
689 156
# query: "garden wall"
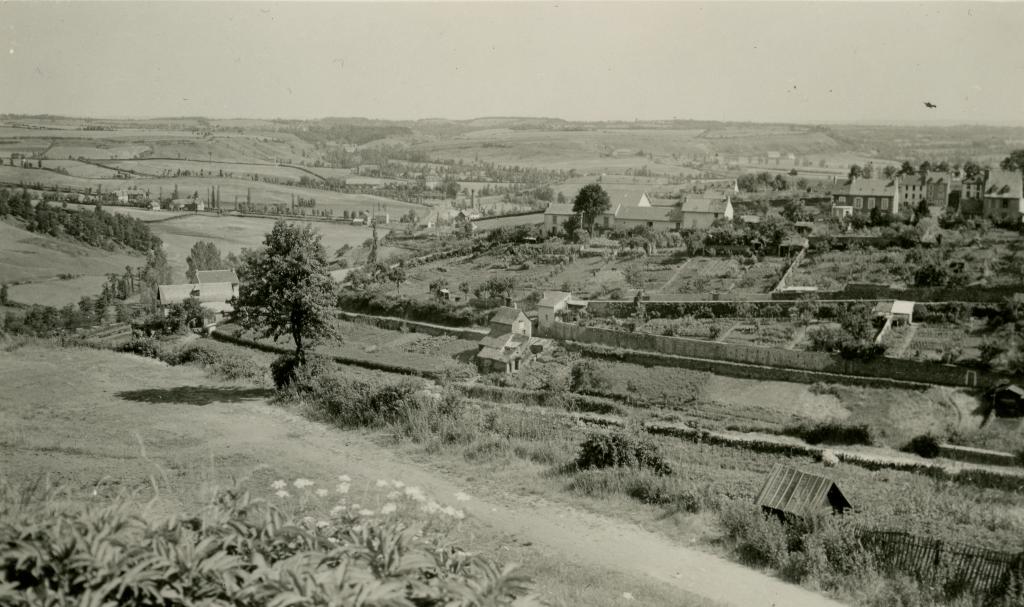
891 368
978 456
400 324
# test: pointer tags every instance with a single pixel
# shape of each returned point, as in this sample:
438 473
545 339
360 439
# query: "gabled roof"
553 298
206 277
492 354
559 208
873 187
791 491
506 315
896 306
644 213
1004 184
218 292
497 342
703 204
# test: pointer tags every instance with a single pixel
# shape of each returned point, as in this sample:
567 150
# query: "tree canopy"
203 256
286 288
1013 162
590 203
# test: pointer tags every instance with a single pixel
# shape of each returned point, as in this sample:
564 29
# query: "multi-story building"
1003 198
859 196
932 186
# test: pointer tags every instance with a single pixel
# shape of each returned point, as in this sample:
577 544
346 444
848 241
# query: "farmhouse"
211 277
699 212
789 492
212 296
1004 196
860 196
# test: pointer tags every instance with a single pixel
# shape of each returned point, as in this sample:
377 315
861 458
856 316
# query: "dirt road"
83 413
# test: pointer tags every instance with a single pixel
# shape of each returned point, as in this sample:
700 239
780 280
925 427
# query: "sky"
761 61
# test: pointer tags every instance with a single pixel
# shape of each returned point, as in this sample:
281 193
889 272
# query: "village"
511 305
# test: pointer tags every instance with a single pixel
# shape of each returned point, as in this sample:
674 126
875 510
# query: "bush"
141 346
759 539
586 376
284 370
235 551
924 445
832 433
619 449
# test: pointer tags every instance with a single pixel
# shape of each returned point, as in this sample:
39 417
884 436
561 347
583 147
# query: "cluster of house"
632 208
212 288
997 195
510 344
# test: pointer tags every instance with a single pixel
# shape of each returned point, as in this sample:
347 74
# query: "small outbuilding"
790 492
901 312
1008 401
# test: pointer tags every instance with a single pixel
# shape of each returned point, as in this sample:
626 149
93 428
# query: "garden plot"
727 275
761 332
833 270
946 342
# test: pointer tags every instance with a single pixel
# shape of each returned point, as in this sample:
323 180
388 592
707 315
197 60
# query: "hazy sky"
761 61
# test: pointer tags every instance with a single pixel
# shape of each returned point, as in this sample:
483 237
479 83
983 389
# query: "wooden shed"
790 492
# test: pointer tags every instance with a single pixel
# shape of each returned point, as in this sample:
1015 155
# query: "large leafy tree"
285 287
1013 162
591 201
203 256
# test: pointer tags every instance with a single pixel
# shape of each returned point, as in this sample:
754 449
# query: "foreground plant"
238 550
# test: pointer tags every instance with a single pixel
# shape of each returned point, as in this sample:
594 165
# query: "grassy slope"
26 256
112 423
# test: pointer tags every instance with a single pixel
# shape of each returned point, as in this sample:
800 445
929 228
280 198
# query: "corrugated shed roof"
794 492
206 277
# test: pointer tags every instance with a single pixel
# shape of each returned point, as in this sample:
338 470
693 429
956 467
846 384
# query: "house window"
858 202
883 203
1006 204
842 199
871 202
650 224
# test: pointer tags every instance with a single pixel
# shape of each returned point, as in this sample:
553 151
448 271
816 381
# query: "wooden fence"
955 566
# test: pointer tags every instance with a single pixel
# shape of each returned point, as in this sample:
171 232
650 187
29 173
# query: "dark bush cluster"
832 433
924 445
619 449
388 304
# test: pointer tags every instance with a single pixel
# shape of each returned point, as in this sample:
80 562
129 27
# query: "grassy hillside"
27 256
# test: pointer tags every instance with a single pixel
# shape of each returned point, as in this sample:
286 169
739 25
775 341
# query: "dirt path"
675 275
583 537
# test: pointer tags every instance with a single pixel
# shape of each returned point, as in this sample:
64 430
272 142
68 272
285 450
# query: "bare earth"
82 415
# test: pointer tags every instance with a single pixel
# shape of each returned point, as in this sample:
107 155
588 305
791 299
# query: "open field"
168 167
27 256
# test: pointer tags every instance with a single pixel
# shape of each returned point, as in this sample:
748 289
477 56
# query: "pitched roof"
920 179
210 276
553 298
559 208
703 204
497 342
896 306
492 354
873 187
644 213
214 292
794 492
506 315
1004 184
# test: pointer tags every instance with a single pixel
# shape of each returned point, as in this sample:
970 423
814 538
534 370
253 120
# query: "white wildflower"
462 497
302 483
628 596
278 484
344 478
322 492
342 488
308 521
388 508
415 493
321 524
382 483
448 510
335 511
431 507
355 506
397 484
459 515
365 512
393 495
282 494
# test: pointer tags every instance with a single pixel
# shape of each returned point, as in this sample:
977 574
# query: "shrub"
141 346
924 445
236 551
619 449
586 376
758 539
831 433
284 370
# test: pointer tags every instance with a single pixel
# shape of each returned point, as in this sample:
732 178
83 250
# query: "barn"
790 492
